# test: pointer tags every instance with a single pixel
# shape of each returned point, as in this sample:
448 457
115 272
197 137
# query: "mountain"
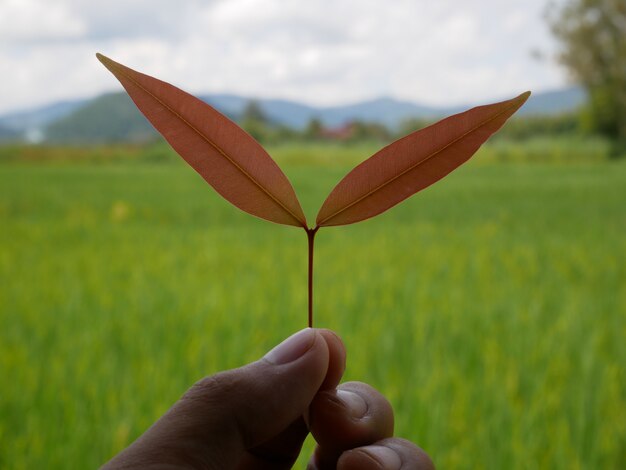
113 116
387 111
287 113
554 102
8 134
107 118
31 122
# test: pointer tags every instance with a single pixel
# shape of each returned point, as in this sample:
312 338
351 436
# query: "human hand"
255 417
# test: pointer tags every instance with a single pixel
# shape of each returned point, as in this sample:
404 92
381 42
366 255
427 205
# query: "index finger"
353 415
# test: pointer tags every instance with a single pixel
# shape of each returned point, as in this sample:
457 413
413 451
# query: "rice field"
490 309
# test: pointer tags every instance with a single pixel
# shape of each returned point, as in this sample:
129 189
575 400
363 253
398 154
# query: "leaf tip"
105 60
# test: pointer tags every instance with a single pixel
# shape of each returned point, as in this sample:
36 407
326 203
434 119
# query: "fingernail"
387 458
292 348
353 402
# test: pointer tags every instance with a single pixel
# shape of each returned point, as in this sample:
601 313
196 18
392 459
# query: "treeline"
523 128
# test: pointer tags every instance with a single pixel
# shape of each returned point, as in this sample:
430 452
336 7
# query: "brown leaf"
413 163
227 157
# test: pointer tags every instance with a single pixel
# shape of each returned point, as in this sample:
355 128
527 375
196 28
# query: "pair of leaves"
241 171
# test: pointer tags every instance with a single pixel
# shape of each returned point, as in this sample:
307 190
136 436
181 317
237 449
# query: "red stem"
310 232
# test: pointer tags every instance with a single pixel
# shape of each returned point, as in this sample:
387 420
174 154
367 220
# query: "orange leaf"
413 163
222 153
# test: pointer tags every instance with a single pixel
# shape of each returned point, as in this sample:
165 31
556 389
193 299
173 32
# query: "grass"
489 309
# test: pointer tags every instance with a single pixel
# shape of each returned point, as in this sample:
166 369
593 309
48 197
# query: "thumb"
224 416
256 402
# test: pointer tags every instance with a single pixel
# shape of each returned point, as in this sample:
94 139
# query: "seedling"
240 170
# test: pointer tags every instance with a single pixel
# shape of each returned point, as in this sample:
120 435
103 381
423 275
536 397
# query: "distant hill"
7 134
113 117
554 102
387 111
108 118
31 122
288 113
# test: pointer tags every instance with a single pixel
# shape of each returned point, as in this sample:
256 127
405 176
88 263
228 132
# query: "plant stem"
310 232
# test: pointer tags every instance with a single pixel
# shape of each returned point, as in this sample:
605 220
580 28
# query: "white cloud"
36 20
322 52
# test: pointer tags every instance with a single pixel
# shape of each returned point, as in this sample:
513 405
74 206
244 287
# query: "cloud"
322 52
123 19
36 21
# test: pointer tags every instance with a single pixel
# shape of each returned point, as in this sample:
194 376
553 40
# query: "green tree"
369 131
254 112
593 38
313 129
255 122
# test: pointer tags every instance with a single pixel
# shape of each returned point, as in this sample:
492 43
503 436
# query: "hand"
256 417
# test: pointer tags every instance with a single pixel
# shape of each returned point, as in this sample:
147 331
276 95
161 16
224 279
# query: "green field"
490 309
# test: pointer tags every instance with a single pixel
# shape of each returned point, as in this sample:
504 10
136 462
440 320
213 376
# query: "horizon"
201 95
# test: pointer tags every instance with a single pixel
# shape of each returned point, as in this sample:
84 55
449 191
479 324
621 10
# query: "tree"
364 131
314 129
592 34
254 121
254 112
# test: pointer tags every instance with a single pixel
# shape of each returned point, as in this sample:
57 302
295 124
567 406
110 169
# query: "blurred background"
489 308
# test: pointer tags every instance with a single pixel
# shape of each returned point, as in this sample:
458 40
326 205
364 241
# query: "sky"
320 52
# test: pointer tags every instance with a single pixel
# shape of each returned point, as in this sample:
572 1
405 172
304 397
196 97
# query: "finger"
258 401
353 415
280 452
285 447
388 454
224 415
336 359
